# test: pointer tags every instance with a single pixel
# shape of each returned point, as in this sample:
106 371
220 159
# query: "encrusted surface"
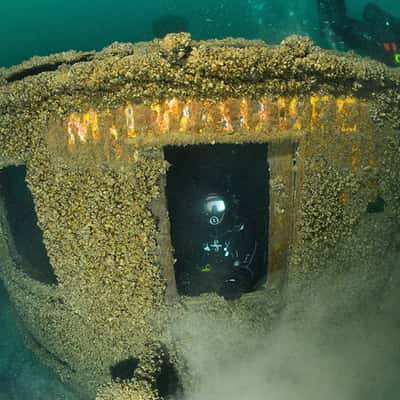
98 228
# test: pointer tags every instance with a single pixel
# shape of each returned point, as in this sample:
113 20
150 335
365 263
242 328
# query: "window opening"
376 206
167 381
125 369
31 255
218 204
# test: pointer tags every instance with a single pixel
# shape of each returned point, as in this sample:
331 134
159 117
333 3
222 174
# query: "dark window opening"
168 383
218 203
125 369
31 254
376 206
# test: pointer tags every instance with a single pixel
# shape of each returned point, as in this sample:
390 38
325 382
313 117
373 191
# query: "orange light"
244 114
130 120
264 115
185 118
225 110
114 142
345 106
343 198
293 112
129 124
282 113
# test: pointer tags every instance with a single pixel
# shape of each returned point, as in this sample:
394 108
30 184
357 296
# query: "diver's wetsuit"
367 36
221 259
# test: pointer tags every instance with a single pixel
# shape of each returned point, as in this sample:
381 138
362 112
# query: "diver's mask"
214 208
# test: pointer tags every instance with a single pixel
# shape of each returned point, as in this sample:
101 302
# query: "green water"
41 27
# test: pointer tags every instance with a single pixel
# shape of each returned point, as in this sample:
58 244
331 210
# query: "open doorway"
232 180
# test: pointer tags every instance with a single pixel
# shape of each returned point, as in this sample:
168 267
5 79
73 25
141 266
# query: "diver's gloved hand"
230 289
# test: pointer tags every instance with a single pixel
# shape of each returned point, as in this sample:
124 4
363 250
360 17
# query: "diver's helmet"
214 208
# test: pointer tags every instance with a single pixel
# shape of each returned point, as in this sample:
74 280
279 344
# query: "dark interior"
376 206
167 381
240 171
125 369
29 253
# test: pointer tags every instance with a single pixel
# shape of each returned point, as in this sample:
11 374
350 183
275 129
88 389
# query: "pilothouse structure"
113 146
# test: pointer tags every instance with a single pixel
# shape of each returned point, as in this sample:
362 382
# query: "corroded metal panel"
281 159
165 251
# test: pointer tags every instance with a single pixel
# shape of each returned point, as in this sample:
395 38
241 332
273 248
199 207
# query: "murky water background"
41 27
46 26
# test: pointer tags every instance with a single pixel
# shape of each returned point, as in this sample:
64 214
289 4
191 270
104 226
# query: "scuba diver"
222 256
377 35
